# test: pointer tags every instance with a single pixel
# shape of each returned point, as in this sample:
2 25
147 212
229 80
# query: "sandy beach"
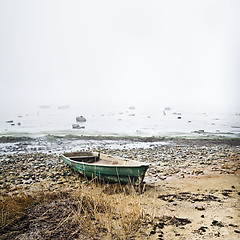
191 190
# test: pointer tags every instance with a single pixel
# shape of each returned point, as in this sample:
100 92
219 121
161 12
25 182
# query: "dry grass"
115 210
94 211
12 209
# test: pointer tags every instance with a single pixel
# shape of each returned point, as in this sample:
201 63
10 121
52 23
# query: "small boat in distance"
108 168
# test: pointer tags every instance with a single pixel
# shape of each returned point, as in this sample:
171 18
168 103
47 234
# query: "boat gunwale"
141 164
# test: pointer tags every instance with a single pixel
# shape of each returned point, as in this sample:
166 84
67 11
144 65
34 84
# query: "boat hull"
109 173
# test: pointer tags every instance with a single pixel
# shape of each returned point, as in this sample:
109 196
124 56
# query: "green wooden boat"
107 168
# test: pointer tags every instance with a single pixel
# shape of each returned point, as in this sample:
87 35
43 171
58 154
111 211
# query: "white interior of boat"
93 158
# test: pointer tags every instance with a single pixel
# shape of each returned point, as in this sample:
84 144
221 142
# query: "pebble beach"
196 180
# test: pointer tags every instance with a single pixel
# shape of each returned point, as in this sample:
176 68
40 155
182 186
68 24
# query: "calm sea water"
158 121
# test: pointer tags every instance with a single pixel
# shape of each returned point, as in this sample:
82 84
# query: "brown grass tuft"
93 211
118 214
12 209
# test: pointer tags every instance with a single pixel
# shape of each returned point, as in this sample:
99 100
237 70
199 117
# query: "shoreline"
194 180
235 141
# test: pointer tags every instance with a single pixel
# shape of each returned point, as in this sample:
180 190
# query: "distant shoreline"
177 140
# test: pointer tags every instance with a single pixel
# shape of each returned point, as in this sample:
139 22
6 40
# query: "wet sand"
191 190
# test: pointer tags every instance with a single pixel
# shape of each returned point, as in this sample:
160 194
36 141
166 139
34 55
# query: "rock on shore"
166 161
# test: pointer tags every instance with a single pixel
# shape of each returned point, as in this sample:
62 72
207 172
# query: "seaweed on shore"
175 140
12 139
102 137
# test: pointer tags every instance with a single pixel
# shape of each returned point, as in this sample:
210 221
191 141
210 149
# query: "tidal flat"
191 190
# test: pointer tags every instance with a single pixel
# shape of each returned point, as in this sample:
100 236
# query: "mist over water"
122 121
101 57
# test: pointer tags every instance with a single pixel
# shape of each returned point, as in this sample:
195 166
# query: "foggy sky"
184 53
